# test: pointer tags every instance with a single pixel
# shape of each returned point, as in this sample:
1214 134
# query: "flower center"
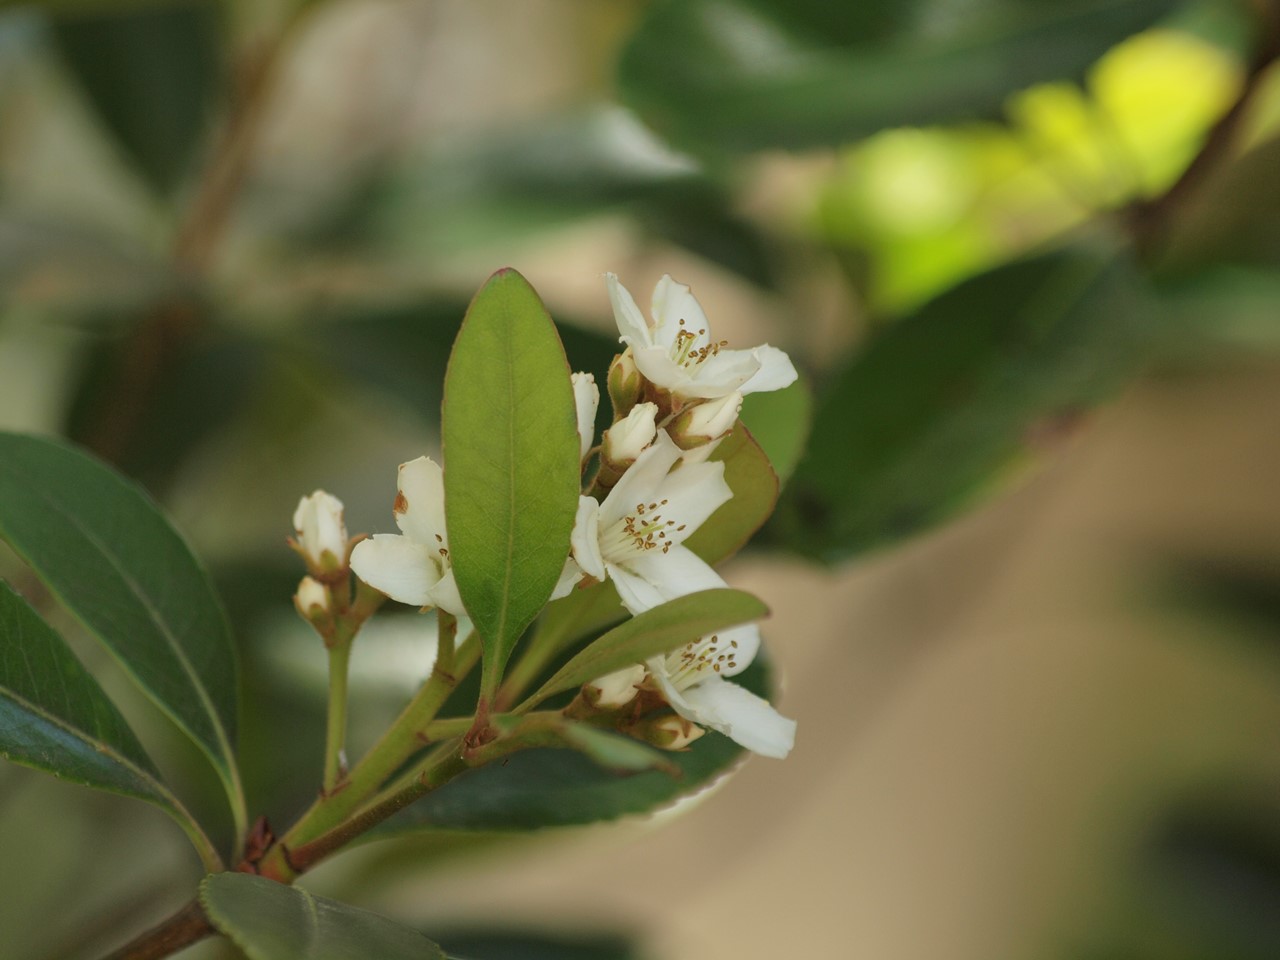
644 529
687 664
686 354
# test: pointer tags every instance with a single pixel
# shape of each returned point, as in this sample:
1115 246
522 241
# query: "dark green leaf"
150 72
933 408
270 921
779 423
655 631
755 491
511 463
55 717
547 788
109 556
753 74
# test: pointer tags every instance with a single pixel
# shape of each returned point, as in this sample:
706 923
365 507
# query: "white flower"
586 398
692 680
414 568
320 531
628 438
675 350
636 536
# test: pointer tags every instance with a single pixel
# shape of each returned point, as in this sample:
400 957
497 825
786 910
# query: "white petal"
445 595
631 323
676 573
722 373
640 482
585 538
637 593
586 399
776 371
569 578
740 715
659 368
673 302
399 567
419 506
693 492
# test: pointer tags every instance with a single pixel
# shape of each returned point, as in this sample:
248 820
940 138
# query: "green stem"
402 740
336 731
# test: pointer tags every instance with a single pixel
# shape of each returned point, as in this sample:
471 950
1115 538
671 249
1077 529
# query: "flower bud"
321 533
312 599
671 732
616 689
699 425
626 386
586 398
627 438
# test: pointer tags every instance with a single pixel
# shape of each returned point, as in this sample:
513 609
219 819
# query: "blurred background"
1025 569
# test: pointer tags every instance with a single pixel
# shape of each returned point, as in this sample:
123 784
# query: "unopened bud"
627 438
615 689
626 385
312 599
321 533
707 421
586 398
672 732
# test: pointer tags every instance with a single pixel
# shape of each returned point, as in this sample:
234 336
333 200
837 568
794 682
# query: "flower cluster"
676 392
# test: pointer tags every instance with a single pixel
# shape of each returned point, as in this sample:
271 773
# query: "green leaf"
751 74
929 413
755 491
511 474
108 555
540 788
55 717
270 921
653 632
150 72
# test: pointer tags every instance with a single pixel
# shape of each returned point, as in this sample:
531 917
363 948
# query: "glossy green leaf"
55 717
108 555
752 74
755 491
270 921
655 631
554 788
151 73
511 456
932 410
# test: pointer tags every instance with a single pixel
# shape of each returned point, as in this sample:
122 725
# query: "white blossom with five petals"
414 566
675 351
